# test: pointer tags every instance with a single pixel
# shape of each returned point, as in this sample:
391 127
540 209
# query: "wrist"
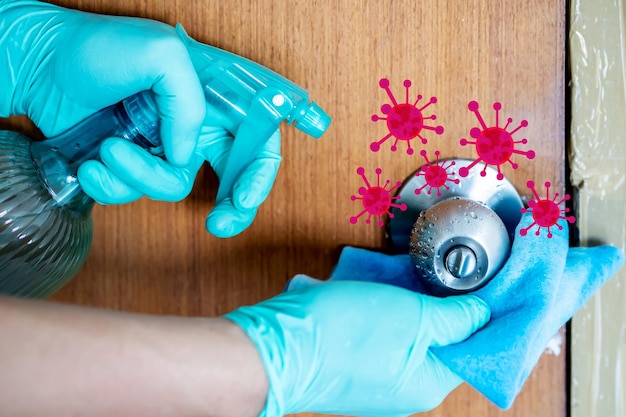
243 369
277 332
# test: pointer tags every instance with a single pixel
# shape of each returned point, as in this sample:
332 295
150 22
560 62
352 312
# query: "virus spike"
497 106
495 145
432 100
377 200
407 86
435 175
522 124
473 107
531 186
375 146
384 84
546 212
405 121
361 172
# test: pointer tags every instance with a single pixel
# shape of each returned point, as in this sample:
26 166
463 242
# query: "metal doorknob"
458 245
457 239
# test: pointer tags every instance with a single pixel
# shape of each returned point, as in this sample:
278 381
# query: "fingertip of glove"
103 186
90 179
455 318
472 312
253 189
220 229
249 197
479 309
225 221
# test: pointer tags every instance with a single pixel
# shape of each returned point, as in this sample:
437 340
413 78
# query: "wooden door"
156 257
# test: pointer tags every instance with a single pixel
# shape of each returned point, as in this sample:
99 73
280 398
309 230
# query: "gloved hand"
357 348
59 66
127 172
543 283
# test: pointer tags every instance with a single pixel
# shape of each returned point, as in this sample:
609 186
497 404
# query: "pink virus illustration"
405 121
377 199
546 212
436 175
494 144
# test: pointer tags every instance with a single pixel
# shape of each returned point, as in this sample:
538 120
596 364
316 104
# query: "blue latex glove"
357 348
59 66
127 172
541 286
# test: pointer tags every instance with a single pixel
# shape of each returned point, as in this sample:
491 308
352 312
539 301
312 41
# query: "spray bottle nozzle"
250 101
312 120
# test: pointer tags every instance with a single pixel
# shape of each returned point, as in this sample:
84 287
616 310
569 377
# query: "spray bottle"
45 217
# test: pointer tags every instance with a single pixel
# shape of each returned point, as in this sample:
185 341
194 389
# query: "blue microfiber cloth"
542 285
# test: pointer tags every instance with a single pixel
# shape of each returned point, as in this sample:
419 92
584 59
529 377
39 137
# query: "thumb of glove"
448 320
454 319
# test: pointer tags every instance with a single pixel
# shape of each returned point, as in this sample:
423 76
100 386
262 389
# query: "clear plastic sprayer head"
231 83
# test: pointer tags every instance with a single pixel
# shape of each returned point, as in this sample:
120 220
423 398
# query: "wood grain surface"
156 257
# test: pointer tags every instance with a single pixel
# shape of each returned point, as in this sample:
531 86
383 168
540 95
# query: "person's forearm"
65 361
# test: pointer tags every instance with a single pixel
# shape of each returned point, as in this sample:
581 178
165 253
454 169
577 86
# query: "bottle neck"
57 159
58 175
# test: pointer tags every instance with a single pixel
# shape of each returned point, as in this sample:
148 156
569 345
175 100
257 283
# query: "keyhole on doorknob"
461 262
